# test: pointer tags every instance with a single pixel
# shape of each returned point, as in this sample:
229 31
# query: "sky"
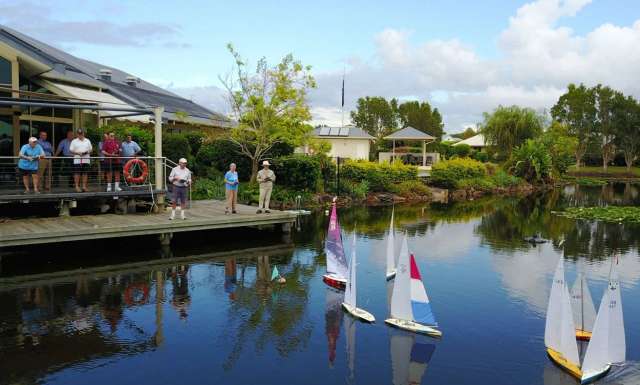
464 57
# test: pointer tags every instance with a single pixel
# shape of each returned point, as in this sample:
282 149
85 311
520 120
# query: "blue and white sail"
420 305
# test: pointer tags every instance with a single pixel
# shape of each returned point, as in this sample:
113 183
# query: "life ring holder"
135 162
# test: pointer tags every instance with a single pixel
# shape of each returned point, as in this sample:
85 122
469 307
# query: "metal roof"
346 132
69 68
409 133
474 141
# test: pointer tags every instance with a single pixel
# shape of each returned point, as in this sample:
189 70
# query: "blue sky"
463 56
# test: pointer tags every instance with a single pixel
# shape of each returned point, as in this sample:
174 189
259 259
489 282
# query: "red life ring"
132 294
127 171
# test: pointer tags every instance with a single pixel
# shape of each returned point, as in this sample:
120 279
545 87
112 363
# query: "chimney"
132 81
105 74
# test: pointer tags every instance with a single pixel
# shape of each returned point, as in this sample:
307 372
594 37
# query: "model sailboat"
391 257
584 312
350 293
607 345
336 261
410 307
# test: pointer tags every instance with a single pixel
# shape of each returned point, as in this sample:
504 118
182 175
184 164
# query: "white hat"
266 163
32 139
182 160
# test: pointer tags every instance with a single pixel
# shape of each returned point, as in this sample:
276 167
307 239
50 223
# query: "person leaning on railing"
111 152
81 149
28 164
44 165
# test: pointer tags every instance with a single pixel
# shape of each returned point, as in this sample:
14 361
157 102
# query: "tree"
605 130
466 134
269 105
532 161
576 108
420 116
509 127
626 120
560 146
377 116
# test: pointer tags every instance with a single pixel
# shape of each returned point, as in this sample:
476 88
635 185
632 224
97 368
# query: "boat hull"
359 313
413 327
583 335
593 376
565 364
391 275
334 281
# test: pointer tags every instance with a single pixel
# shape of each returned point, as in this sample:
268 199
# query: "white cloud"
538 58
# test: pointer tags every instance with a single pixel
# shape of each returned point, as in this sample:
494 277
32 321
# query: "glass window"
6 136
5 71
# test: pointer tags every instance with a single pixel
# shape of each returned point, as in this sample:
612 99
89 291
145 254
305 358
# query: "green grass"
607 214
612 171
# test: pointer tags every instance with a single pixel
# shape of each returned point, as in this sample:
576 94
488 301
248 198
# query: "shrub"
448 172
462 150
195 139
378 176
502 179
532 161
204 188
481 156
176 146
477 183
410 188
216 156
298 172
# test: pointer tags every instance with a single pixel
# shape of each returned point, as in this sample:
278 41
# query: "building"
476 142
346 142
32 69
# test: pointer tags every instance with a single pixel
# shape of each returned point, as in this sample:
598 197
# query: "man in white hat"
180 177
266 177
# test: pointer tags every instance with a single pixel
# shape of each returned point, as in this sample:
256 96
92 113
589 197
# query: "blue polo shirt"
46 147
64 146
231 177
26 150
130 148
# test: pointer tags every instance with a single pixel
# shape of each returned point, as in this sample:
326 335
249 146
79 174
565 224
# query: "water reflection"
409 357
333 318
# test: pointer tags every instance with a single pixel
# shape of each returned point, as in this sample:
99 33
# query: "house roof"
65 67
346 132
409 133
474 141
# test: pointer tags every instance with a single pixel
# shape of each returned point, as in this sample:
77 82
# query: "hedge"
298 172
447 173
379 176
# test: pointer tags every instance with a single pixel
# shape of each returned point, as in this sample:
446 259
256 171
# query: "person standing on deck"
67 164
28 164
266 178
111 152
180 177
231 188
130 148
81 149
44 165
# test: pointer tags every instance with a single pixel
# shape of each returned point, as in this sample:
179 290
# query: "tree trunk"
608 152
254 170
580 150
629 157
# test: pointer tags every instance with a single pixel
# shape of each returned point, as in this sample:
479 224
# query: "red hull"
336 283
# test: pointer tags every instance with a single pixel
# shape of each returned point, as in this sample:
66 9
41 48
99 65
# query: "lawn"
612 172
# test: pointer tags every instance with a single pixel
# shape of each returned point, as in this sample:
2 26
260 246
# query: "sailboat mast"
582 300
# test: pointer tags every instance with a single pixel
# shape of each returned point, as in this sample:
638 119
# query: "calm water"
205 311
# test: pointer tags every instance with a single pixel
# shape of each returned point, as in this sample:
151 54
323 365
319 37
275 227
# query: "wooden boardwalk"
203 215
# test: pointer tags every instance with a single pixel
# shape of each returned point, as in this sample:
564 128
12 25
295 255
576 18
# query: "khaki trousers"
265 195
232 198
44 166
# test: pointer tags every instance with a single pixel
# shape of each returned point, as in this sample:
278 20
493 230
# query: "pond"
205 310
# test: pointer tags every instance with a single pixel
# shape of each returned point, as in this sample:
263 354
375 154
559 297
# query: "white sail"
401 296
559 333
584 312
607 343
350 287
391 258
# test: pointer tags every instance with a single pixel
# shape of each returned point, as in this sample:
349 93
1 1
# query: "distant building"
32 69
477 142
346 142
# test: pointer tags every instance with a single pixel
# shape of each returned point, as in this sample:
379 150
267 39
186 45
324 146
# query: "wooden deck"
203 215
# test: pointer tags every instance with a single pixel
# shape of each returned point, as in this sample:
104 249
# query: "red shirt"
111 146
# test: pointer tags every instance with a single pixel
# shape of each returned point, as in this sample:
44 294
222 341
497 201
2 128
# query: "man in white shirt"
180 178
81 149
266 178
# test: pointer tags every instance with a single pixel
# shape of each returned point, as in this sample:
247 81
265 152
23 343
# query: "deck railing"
56 175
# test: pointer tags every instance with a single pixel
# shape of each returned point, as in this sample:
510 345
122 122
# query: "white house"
346 142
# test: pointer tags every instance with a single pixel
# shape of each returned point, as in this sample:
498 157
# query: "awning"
104 99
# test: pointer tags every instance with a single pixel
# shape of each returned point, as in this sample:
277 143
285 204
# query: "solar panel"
324 131
344 131
335 131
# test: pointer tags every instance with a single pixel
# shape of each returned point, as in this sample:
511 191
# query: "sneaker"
118 189
259 212
226 211
267 211
109 188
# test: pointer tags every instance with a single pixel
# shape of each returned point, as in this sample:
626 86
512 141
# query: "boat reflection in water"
333 318
410 355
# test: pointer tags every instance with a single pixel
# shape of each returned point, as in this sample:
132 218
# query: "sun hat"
266 163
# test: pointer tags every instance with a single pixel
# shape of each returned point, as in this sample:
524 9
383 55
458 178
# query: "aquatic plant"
607 214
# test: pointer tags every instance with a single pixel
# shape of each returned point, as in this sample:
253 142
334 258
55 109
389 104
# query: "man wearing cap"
28 164
180 178
266 177
81 149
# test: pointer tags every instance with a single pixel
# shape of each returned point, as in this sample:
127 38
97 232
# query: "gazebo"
410 133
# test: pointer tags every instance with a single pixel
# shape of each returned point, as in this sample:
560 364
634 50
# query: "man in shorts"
28 164
180 177
111 152
81 149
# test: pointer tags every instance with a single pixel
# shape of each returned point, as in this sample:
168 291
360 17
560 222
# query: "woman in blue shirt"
231 188
28 163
